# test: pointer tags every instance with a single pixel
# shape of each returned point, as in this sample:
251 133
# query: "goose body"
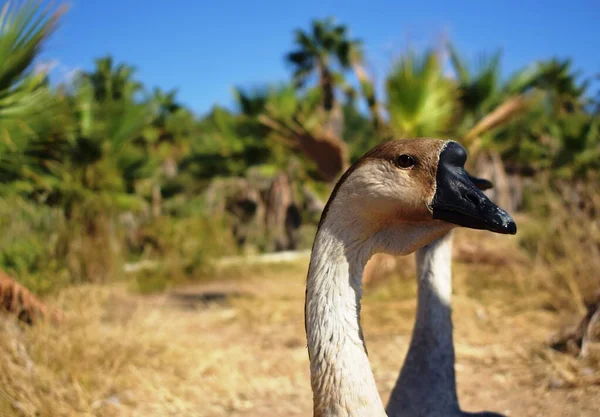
426 386
399 197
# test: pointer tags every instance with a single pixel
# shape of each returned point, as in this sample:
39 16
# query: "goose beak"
458 198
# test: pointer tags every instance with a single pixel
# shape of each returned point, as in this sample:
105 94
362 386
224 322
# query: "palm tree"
558 78
24 95
485 100
94 153
421 101
167 104
317 52
30 115
112 82
511 117
484 103
559 131
296 122
479 85
169 138
327 52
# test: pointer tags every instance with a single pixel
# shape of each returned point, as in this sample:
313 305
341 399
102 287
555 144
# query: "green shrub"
29 242
181 249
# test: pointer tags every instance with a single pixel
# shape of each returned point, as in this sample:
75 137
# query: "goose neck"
341 377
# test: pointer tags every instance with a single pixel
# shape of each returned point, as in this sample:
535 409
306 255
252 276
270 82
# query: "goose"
400 196
426 386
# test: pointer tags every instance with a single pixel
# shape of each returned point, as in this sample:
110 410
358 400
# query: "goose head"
402 194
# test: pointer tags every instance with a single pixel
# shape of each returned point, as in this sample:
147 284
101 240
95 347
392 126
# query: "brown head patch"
425 151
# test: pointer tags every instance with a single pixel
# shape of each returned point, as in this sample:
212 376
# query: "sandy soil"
237 348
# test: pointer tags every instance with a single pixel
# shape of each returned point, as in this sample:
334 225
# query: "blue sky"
204 48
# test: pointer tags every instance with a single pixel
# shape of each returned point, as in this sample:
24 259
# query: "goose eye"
405 161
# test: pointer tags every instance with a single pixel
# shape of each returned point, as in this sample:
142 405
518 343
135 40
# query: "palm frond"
24 95
420 99
524 79
23 31
460 67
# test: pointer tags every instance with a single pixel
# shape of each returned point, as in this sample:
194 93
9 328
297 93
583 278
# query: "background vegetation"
106 180
103 171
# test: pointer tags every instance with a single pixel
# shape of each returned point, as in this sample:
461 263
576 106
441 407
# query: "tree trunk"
156 201
333 126
490 166
282 215
244 206
169 167
368 91
327 87
501 183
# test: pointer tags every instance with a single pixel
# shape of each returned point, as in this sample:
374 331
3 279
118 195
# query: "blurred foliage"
25 100
327 51
420 99
29 243
564 242
100 170
184 247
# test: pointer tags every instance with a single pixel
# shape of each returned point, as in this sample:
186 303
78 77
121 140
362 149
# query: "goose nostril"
472 199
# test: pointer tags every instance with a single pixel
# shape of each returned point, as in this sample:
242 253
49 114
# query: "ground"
236 347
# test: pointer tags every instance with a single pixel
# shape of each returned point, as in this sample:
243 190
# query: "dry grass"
565 245
237 347
118 354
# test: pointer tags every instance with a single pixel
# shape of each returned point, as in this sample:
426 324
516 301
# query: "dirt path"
501 362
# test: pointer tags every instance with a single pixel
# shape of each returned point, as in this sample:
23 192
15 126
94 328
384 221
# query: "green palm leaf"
26 104
420 100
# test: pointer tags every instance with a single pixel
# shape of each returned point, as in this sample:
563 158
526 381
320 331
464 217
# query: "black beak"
458 198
